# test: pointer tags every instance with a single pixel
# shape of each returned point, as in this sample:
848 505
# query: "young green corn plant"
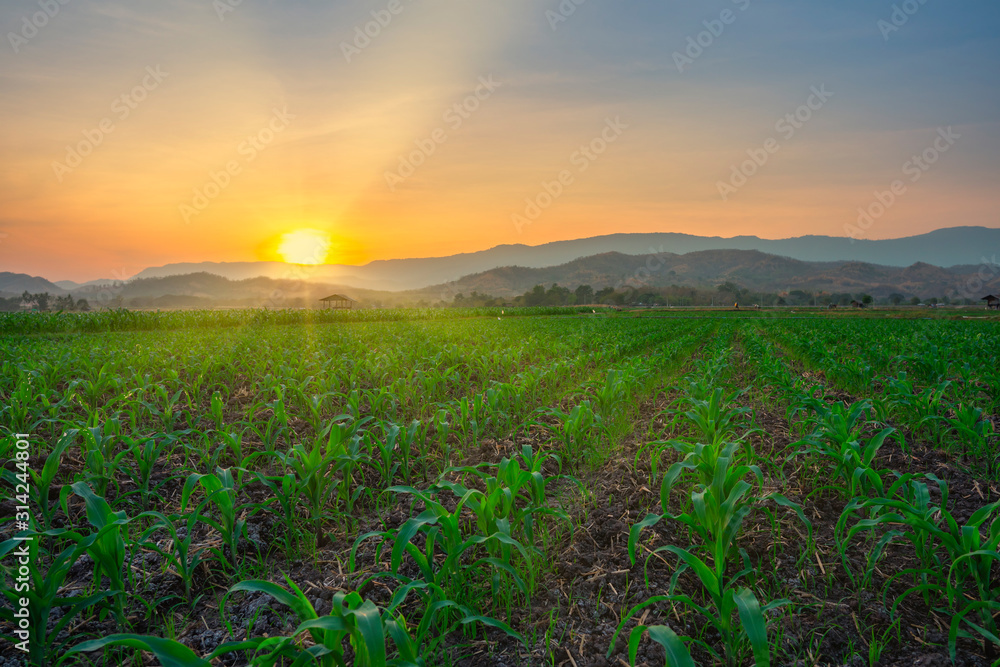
145 455
178 556
396 450
101 463
216 406
166 406
386 463
956 561
350 453
20 410
919 409
230 447
851 458
717 514
382 402
423 643
752 623
515 494
442 428
973 431
40 490
715 422
471 418
46 640
352 618
441 527
576 429
315 471
220 492
108 551
286 491
93 390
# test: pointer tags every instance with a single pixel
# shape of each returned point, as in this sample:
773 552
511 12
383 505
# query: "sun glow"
304 246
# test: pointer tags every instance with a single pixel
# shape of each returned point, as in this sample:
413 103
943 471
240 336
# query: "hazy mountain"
944 247
71 286
747 268
705 269
16 283
207 290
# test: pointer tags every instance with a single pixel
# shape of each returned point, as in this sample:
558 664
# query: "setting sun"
305 246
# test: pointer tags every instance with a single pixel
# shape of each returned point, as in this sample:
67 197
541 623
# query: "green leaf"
677 653
170 653
754 626
633 533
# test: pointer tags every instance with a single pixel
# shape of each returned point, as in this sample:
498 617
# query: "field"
555 487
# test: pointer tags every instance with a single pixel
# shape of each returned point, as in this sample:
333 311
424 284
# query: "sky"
139 133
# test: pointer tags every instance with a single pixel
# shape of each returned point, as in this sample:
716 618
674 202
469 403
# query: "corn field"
556 487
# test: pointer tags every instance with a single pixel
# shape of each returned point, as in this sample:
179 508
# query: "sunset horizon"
140 136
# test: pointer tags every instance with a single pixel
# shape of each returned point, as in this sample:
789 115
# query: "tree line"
42 301
728 293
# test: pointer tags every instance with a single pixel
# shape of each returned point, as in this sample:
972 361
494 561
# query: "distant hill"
943 247
73 286
747 268
14 284
208 290
750 269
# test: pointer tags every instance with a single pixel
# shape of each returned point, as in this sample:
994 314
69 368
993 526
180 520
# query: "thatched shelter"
337 302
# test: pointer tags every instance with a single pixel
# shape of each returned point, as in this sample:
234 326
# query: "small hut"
992 301
337 302
857 304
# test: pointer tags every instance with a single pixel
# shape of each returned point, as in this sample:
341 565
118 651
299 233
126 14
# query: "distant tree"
896 298
584 294
39 301
866 299
915 301
604 295
557 296
534 297
799 297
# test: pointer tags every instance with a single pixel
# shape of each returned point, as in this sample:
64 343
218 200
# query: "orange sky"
310 138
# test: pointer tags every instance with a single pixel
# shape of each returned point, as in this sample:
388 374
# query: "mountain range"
910 266
943 247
